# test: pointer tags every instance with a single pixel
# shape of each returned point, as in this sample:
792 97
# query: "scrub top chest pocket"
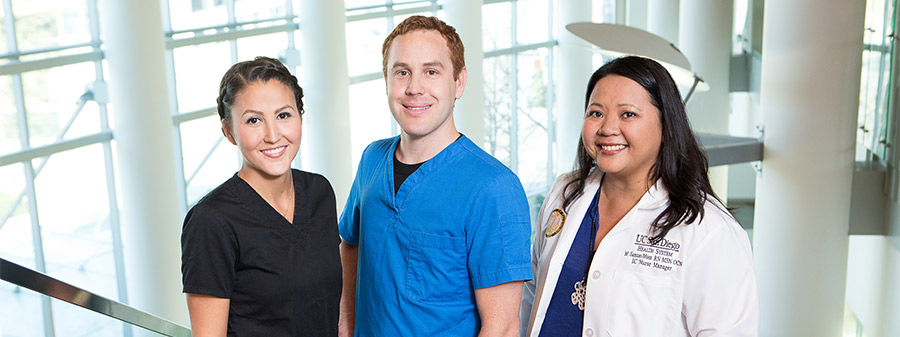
436 271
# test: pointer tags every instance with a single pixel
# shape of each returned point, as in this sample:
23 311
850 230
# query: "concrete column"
575 68
705 38
809 96
465 16
151 217
323 54
662 19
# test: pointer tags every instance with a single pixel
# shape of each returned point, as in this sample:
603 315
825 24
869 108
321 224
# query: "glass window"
50 101
3 47
371 118
498 79
72 320
271 45
874 81
49 23
497 33
198 70
15 231
209 159
74 219
532 21
9 129
21 313
184 15
351 4
245 10
364 39
533 122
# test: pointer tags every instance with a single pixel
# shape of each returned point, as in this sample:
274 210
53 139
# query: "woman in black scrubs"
260 252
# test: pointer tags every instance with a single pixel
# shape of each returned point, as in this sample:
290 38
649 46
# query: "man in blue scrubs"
435 230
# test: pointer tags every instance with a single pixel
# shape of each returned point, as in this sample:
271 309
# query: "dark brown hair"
261 69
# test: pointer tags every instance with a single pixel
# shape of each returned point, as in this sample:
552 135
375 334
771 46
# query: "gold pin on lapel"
556 222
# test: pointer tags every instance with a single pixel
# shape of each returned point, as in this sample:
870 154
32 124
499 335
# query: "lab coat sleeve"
537 246
720 292
530 285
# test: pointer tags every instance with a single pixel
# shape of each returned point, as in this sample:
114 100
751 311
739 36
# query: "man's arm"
349 258
209 315
499 309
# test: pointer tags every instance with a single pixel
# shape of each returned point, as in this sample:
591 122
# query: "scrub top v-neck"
282 278
458 223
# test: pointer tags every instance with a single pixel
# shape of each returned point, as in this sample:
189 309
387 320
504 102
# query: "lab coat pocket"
641 305
436 271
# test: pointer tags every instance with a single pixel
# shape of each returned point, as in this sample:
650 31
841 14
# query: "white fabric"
699 281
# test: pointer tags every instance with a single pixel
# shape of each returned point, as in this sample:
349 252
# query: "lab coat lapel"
558 247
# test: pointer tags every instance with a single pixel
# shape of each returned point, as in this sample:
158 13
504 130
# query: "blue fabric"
458 223
564 318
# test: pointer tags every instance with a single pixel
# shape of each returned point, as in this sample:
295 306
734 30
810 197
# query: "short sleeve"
498 234
348 224
209 252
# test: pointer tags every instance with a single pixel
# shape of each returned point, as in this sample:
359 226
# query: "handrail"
41 283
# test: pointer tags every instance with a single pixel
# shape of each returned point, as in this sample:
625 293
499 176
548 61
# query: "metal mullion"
289 10
16 67
519 48
230 26
48 50
389 12
234 58
514 109
173 111
229 6
112 197
229 35
395 128
551 81
22 124
877 131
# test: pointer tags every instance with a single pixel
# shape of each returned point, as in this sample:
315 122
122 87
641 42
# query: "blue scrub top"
458 223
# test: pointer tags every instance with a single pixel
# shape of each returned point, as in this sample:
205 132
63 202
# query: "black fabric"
403 171
283 279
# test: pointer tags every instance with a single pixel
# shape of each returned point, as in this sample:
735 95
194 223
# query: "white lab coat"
698 282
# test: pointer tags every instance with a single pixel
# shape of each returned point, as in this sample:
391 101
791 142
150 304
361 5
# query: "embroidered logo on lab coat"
663 255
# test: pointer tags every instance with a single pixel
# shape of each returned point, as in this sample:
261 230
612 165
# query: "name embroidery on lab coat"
663 255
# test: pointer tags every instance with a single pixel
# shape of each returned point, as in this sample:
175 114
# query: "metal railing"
41 283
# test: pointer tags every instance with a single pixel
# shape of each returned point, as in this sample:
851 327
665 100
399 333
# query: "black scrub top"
283 279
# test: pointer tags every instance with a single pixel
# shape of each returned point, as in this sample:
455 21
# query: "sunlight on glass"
497 92
533 21
201 138
364 40
51 97
9 128
496 30
533 123
42 24
185 15
198 70
370 119
246 10
271 45
73 207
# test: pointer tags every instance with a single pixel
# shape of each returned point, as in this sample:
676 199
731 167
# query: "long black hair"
681 164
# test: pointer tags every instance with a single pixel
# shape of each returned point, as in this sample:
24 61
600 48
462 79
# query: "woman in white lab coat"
634 242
